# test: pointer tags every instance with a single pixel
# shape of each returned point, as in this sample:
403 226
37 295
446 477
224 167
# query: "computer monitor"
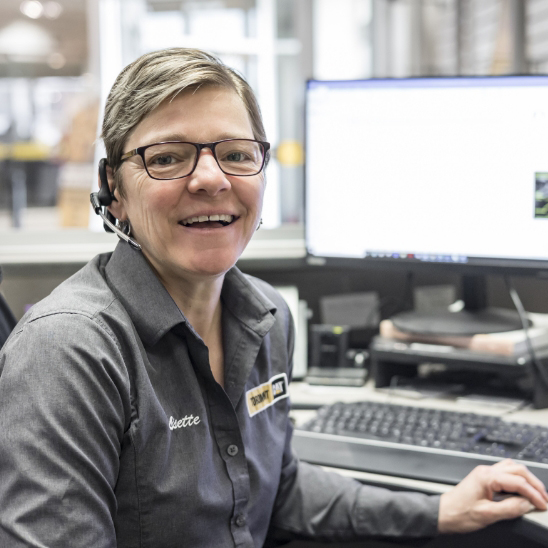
431 172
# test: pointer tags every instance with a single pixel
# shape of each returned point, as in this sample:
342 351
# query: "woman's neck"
197 296
200 302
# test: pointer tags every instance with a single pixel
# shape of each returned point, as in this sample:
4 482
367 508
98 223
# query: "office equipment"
431 173
353 372
328 345
414 442
7 319
304 397
331 359
104 198
506 343
493 374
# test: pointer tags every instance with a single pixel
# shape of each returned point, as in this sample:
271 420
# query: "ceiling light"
25 39
32 9
52 10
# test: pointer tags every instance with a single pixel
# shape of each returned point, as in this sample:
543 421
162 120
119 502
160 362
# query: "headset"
104 198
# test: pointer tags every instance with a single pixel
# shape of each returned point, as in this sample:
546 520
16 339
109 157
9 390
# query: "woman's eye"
235 157
163 160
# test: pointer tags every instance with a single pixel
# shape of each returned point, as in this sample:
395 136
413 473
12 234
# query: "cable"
525 325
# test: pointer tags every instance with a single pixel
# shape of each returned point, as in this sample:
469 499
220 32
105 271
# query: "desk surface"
303 393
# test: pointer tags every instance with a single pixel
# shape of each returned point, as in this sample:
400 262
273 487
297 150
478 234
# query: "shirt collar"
154 312
146 300
247 302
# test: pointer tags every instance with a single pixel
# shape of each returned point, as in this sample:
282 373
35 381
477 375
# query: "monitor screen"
436 170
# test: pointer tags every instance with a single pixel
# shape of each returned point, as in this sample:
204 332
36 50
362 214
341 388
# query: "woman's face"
158 210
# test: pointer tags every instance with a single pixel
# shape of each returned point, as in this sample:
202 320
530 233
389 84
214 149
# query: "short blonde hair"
154 77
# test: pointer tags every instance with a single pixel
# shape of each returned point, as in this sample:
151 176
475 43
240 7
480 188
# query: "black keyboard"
416 442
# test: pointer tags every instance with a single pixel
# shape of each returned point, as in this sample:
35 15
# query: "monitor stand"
475 318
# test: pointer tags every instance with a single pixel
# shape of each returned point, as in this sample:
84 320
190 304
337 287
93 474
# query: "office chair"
7 319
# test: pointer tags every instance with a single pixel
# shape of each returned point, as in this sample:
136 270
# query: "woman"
144 402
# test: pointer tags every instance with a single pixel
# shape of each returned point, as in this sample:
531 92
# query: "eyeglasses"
177 159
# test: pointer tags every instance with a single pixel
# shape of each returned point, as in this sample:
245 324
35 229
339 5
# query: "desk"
532 530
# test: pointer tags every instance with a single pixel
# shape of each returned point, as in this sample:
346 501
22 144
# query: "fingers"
512 477
518 484
511 467
510 508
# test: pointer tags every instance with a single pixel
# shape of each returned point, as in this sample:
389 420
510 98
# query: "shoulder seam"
93 317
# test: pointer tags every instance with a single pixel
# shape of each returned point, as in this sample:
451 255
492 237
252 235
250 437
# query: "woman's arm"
314 503
64 408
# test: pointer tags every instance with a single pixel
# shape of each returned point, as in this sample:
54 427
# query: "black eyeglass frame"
199 147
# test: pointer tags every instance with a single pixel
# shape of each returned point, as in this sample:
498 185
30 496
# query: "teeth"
203 218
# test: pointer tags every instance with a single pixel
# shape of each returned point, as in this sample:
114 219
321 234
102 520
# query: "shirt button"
232 450
240 520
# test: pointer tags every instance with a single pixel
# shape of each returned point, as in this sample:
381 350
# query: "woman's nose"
208 177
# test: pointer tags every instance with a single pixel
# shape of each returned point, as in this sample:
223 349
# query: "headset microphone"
105 198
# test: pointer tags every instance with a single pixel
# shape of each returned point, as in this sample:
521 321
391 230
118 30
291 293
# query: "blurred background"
58 59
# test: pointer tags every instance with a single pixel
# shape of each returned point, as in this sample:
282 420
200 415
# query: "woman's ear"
116 207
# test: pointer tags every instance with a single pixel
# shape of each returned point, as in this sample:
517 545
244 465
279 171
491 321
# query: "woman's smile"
214 220
209 227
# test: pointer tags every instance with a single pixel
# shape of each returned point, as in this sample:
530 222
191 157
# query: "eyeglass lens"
173 160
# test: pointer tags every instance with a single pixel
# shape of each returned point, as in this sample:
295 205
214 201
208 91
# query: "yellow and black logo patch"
264 395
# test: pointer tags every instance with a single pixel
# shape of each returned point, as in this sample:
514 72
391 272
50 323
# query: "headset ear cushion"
104 194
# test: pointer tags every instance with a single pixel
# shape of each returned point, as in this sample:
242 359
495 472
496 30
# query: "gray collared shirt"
113 431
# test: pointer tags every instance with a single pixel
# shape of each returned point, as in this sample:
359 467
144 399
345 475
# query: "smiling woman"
145 401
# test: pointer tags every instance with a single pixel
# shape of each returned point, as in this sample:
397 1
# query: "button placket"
228 436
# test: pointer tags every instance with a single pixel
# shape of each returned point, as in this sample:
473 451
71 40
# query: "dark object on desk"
328 345
342 376
331 361
7 319
419 443
354 371
390 357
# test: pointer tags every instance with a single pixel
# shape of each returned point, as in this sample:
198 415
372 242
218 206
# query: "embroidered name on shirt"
184 422
264 395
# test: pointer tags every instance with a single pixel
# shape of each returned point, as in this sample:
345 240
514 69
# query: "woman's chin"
211 266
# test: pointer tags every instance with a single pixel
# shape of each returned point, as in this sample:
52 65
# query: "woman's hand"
470 505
